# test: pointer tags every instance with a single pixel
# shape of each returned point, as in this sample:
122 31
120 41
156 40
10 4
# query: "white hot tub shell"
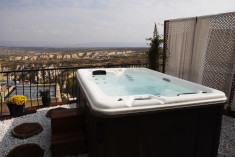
102 103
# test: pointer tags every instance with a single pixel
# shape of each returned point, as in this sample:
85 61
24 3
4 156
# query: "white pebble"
43 139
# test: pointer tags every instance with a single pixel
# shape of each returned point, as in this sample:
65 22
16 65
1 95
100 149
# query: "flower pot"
16 110
46 101
10 106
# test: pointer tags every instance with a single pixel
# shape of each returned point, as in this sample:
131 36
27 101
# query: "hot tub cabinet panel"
186 131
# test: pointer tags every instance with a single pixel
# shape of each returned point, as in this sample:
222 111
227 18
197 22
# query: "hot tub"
142 113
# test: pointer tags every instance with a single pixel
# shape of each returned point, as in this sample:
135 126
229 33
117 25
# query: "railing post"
67 86
73 84
22 75
78 97
1 100
15 82
43 78
55 85
7 84
49 73
30 88
37 87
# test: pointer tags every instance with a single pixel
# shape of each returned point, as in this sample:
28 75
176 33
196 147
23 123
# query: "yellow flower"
17 100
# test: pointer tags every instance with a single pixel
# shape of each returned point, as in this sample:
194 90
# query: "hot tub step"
66 120
67 143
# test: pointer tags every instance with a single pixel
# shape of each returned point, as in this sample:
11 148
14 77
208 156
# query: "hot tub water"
137 84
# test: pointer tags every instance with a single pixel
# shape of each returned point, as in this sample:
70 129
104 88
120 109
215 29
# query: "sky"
71 22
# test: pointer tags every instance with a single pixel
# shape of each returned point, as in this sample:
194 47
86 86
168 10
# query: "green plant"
154 51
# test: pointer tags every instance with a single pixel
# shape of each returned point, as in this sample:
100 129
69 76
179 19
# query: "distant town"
23 58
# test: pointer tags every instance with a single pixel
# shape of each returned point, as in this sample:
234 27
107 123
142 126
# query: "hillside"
36 58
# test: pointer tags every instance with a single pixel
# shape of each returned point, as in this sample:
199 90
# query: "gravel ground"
227 138
7 142
226 147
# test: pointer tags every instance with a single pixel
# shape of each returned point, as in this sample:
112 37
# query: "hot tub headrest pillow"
99 72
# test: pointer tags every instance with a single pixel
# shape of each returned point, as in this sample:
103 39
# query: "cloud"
80 21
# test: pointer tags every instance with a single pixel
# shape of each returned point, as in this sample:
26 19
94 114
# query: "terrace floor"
7 142
43 139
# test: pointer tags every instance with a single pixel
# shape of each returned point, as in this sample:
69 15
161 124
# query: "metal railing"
60 81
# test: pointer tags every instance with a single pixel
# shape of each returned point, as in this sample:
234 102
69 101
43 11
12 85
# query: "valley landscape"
28 58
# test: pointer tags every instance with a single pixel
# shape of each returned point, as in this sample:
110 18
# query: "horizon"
81 45
81 48
51 47
63 23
